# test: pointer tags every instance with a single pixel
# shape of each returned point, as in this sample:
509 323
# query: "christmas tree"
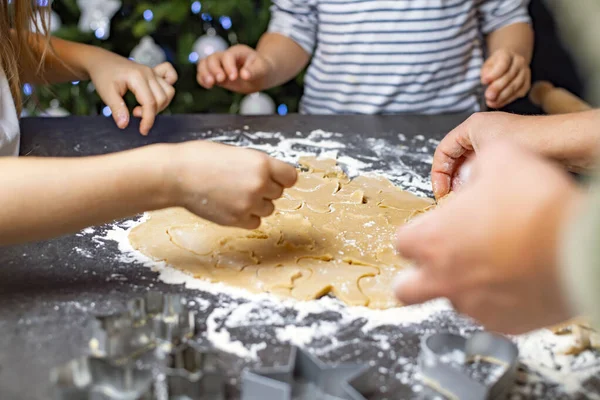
175 27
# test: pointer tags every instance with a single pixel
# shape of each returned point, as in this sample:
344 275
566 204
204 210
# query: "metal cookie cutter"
195 374
149 321
440 374
91 378
305 377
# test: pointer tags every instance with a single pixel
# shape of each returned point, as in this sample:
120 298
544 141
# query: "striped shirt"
393 56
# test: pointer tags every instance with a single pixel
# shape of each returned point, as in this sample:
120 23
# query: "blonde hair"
20 49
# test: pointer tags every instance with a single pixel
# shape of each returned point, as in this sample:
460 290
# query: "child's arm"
509 39
241 69
280 54
112 75
46 197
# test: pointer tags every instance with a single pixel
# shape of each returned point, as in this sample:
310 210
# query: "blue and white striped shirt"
393 56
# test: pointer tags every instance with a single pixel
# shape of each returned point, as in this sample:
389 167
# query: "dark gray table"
48 291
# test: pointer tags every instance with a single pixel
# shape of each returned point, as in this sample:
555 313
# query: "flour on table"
320 324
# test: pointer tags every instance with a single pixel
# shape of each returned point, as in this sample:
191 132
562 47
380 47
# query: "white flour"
288 319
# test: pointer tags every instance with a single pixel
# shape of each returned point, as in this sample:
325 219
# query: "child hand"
508 77
153 88
228 185
240 69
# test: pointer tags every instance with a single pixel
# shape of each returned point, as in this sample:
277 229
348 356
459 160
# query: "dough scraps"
329 234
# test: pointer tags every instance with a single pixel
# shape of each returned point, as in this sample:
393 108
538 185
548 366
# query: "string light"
196 7
206 17
106 111
148 15
27 89
282 109
225 22
193 57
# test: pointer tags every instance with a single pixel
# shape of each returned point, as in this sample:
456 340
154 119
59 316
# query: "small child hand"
227 185
508 77
153 88
240 69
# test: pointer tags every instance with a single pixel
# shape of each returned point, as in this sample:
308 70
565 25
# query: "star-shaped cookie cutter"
445 377
305 377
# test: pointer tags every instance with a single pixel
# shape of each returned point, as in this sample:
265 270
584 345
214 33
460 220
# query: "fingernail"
232 77
208 80
122 118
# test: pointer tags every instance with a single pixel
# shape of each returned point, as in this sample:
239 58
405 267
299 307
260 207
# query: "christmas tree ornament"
55 110
257 104
148 53
209 44
53 21
96 16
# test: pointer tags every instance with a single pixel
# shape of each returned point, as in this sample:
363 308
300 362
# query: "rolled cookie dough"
329 234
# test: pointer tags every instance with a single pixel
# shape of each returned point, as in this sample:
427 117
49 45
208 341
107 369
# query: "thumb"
254 68
119 110
166 72
495 66
413 287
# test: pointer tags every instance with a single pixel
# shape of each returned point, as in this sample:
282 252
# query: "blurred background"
184 31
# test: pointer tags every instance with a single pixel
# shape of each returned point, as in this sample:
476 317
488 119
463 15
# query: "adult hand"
153 88
508 77
225 184
240 69
492 248
463 142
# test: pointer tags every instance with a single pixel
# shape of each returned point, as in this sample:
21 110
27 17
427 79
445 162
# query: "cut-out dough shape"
328 235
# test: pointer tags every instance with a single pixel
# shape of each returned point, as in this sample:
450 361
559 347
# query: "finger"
273 191
137 112
496 66
252 222
412 238
446 159
143 94
264 209
215 68
510 93
497 86
117 106
204 77
160 96
282 173
230 65
168 89
253 68
413 286
166 72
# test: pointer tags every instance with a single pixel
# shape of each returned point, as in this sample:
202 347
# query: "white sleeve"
296 19
496 14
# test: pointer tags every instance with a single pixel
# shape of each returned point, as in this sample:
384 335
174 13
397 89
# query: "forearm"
515 37
46 197
571 139
286 57
67 61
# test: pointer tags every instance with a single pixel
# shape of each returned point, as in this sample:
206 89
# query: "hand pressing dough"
329 234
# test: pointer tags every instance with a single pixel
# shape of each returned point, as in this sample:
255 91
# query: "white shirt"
9 122
393 56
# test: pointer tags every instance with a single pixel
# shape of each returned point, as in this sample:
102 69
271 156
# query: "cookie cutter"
92 378
445 377
149 321
305 377
195 373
